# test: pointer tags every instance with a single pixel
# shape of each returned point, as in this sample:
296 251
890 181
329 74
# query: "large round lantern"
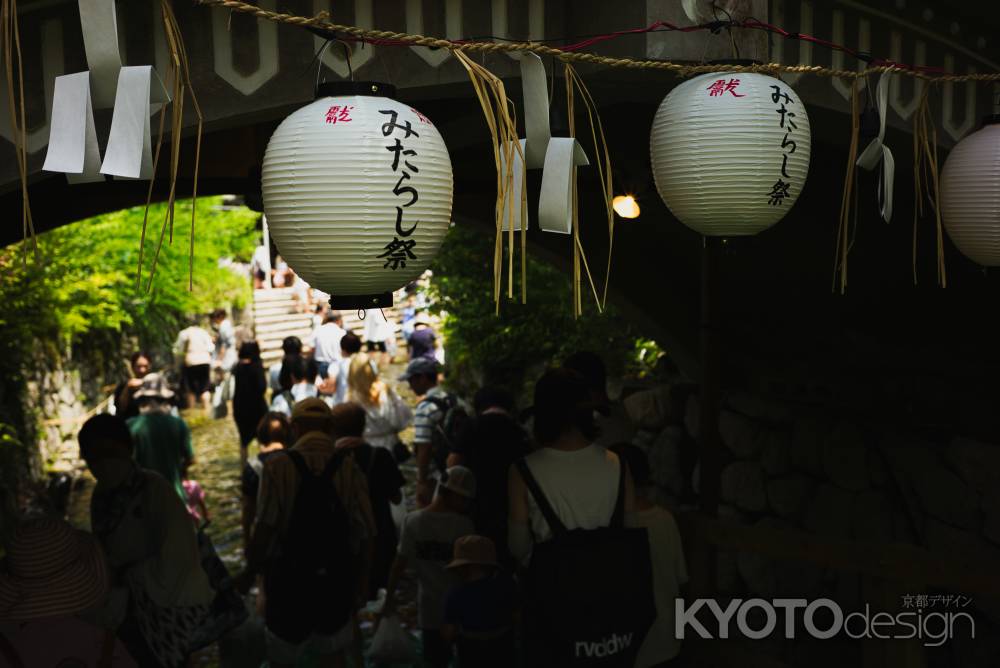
970 195
357 191
730 152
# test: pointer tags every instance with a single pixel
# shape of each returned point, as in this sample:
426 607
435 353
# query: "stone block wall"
803 468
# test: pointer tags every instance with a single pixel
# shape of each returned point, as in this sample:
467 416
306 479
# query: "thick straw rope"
321 22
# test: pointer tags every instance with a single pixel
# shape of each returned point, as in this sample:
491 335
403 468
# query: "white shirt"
669 573
384 421
377 328
580 485
339 372
261 260
195 345
327 343
299 392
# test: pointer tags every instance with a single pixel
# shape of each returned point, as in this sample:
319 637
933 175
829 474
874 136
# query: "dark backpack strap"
300 463
332 466
444 405
555 524
9 653
372 456
107 659
618 516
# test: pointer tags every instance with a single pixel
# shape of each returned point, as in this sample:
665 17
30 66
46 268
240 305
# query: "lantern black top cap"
341 88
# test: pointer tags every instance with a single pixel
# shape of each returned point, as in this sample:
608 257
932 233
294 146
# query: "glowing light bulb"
625 206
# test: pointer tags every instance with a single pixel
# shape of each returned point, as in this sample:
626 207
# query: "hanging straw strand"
603 160
11 38
503 133
926 182
172 28
843 229
181 79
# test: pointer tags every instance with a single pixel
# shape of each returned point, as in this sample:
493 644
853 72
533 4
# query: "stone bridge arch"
784 328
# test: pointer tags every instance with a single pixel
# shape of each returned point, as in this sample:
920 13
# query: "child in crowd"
427 540
479 613
195 498
667 556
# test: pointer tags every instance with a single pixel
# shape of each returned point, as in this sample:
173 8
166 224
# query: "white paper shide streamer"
358 192
877 151
556 156
730 152
73 147
970 195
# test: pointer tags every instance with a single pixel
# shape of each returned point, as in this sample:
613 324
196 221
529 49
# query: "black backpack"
588 593
316 545
447 428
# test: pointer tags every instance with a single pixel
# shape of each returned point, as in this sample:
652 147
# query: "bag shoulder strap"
9 653
555 524
289 398
372 456
618 516
300 463
331 466
107 650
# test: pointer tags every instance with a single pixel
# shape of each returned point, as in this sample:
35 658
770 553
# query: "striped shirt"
427 415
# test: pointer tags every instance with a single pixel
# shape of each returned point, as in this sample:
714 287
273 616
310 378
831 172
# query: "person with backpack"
568 502
290 345
437 422
312 540
667 555
296 384
274 434
426 540
385 483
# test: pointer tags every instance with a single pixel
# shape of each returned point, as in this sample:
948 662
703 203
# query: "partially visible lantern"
357 191
970 195
730 152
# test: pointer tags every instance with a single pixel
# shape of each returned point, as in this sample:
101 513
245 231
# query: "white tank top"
581 486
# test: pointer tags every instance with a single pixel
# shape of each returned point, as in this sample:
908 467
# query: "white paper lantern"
730 152
357 191
970 195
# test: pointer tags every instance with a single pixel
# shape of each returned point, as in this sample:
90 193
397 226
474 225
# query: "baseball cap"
460 480
310 408
421 366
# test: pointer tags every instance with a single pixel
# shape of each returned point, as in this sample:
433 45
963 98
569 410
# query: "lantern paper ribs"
730 152
970 195
357 191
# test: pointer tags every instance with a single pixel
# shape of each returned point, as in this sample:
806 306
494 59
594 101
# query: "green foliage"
646 357
82 288
513 348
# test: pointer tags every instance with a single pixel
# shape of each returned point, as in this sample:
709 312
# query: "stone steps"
276 315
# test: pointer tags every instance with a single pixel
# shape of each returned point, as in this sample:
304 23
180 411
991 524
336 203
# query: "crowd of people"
325 522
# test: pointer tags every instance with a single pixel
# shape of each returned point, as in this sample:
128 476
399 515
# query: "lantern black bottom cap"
383 300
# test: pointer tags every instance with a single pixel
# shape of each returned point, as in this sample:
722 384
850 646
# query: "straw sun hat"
53 570
474 550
